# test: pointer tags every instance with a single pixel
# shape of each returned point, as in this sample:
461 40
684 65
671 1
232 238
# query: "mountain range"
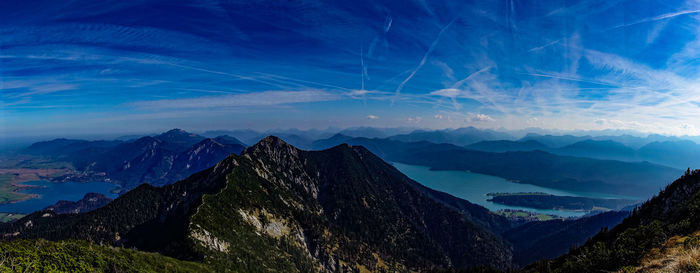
679 154
460 136
336 209
158 160
276 208
537 167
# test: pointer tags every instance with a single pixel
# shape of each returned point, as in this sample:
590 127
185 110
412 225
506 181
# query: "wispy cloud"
511 65
27 88
265 98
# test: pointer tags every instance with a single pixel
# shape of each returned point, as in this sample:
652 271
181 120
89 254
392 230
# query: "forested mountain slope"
675 211
278 208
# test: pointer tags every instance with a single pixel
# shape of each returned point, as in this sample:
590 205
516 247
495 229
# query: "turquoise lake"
474 187
50 193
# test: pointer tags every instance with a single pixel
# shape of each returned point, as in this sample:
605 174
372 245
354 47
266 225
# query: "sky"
71 67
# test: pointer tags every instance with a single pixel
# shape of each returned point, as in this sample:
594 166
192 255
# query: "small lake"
474 187
50 193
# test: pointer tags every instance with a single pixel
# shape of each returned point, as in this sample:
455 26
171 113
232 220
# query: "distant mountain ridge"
461 136
674 153
532 167
91 201
158 160
652 148
297 211
501 146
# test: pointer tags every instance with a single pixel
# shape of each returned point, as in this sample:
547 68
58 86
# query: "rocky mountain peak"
180 137
272 146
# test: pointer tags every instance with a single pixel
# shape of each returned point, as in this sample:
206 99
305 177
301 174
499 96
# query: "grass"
31 162
80 256
680 254
7 190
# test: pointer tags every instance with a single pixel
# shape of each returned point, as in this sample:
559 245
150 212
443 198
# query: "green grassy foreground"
80 256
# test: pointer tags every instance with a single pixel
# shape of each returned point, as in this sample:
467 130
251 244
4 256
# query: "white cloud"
451 93
372 117
358 93
478 117
438 116
533 122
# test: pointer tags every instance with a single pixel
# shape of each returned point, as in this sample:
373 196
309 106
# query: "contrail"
459 83
387 23
225 74
425 57
543 46
362 71
659 17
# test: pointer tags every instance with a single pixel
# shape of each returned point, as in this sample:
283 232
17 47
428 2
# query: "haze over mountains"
532 167
675 152
580 163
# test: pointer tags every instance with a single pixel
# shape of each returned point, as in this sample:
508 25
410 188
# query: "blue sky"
70 67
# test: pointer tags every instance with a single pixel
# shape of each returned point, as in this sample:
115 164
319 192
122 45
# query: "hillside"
675 211
549 239
80 256
679 254
277 208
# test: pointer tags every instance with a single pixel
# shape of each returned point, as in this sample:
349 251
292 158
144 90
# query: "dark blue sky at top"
142 66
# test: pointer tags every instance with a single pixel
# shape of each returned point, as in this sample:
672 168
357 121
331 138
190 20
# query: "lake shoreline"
474 188
44 193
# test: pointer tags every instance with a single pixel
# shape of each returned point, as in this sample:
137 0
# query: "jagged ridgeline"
662 235
276 208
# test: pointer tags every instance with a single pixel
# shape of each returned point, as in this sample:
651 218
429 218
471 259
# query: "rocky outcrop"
91 201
